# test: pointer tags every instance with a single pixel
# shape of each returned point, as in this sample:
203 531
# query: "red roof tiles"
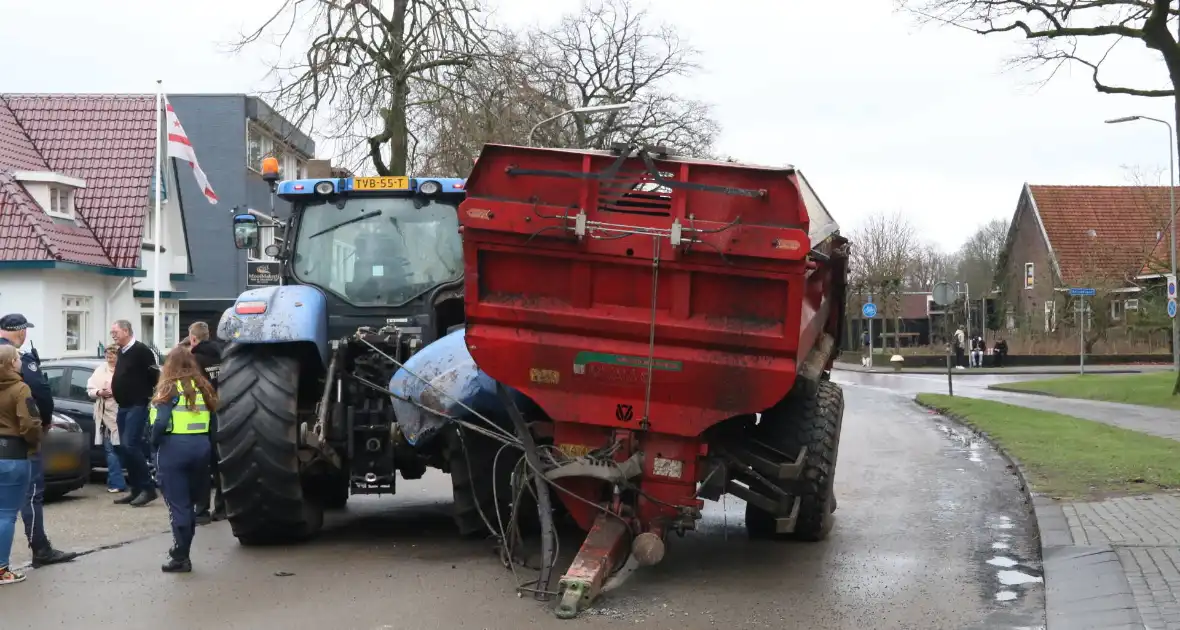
1106 231
1160 260
107 140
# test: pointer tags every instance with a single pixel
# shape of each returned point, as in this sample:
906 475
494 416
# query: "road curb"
1085 587
1000 387
849 367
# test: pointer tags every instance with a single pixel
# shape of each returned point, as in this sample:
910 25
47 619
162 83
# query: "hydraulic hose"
544 507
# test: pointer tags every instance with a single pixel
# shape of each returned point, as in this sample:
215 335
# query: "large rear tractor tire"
810 417
474 472
256 442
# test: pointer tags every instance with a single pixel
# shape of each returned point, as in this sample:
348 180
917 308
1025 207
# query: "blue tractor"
370 272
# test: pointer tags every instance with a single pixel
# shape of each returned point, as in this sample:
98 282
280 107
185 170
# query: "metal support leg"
600 553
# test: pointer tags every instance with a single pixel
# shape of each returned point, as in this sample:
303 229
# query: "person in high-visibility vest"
182 412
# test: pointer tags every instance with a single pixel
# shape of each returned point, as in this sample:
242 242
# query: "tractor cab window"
379 251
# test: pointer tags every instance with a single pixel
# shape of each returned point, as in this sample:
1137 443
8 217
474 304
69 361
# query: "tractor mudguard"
282 314
448 367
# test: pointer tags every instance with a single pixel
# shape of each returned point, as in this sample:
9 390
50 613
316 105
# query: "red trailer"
675 320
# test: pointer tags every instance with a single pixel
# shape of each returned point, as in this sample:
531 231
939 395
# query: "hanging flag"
180 148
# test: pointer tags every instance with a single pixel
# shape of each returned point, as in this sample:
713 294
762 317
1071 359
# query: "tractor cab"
376 247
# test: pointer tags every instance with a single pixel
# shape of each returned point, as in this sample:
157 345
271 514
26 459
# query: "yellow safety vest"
186 421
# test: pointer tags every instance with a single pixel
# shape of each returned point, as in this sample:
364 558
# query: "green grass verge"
1067 457
1153 389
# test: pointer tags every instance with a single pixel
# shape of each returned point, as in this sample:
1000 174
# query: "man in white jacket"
106 411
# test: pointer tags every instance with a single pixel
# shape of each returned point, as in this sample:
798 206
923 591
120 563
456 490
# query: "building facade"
231 134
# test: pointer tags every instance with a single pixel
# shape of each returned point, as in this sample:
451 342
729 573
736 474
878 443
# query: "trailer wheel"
265 500
472 480
810 416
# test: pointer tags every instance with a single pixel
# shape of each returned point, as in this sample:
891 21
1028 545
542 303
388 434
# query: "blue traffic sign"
1086 292
869 310
1171 308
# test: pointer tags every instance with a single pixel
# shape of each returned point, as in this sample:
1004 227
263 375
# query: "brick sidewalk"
1143 534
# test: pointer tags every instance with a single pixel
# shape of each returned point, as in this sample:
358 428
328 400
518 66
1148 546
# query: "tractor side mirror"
245 231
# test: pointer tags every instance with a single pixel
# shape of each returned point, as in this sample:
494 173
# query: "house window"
1010 318
170 310
149 226
266 237
260 145
1028 275
60 202
76 314
1050 316
1117 307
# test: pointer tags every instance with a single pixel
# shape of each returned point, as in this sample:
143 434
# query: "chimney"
319 168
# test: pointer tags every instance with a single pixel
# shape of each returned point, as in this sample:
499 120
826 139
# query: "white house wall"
174 258
23 292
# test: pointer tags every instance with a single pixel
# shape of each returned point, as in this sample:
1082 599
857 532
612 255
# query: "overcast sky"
880 113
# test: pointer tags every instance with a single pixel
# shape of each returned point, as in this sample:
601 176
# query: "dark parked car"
67 380
65 454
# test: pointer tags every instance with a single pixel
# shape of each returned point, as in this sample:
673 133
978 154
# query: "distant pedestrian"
132 384
20 434
977 347
999 352
182 412
13 332
960 345
207 352
106 418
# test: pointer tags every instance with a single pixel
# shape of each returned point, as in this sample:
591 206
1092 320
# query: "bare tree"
980 254
611 53
881 254
929 266
1064 32
608 53
363 63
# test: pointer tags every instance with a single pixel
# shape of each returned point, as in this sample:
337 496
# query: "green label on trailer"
584 358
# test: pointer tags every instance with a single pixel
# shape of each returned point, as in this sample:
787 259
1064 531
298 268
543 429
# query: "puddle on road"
1018 578
1005 596
1001 561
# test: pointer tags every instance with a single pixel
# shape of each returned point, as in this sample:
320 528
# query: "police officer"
207 352
181 415
13 331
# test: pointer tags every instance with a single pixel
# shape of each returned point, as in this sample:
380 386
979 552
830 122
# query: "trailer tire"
265 499
810 416
470 455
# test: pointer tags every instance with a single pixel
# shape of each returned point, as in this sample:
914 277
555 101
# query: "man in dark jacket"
13 330
133 383
207 352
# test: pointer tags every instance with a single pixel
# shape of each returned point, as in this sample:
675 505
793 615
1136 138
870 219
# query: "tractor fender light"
250 308
430 187
324 188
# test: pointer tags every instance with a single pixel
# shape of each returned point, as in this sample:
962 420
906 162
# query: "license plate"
61 463
381 183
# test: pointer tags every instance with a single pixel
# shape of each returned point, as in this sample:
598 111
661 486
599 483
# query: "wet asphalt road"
931 532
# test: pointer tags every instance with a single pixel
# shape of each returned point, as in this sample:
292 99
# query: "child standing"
20 434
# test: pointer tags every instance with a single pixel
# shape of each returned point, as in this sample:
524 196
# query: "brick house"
76 219
1077 236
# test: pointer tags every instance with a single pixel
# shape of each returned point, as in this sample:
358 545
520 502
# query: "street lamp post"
1171 217
593 109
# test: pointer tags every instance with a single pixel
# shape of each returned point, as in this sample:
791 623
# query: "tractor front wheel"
265 500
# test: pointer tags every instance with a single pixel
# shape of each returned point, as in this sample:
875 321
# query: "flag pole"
157 322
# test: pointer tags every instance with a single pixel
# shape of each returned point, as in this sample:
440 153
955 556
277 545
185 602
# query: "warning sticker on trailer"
664 467
544 377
